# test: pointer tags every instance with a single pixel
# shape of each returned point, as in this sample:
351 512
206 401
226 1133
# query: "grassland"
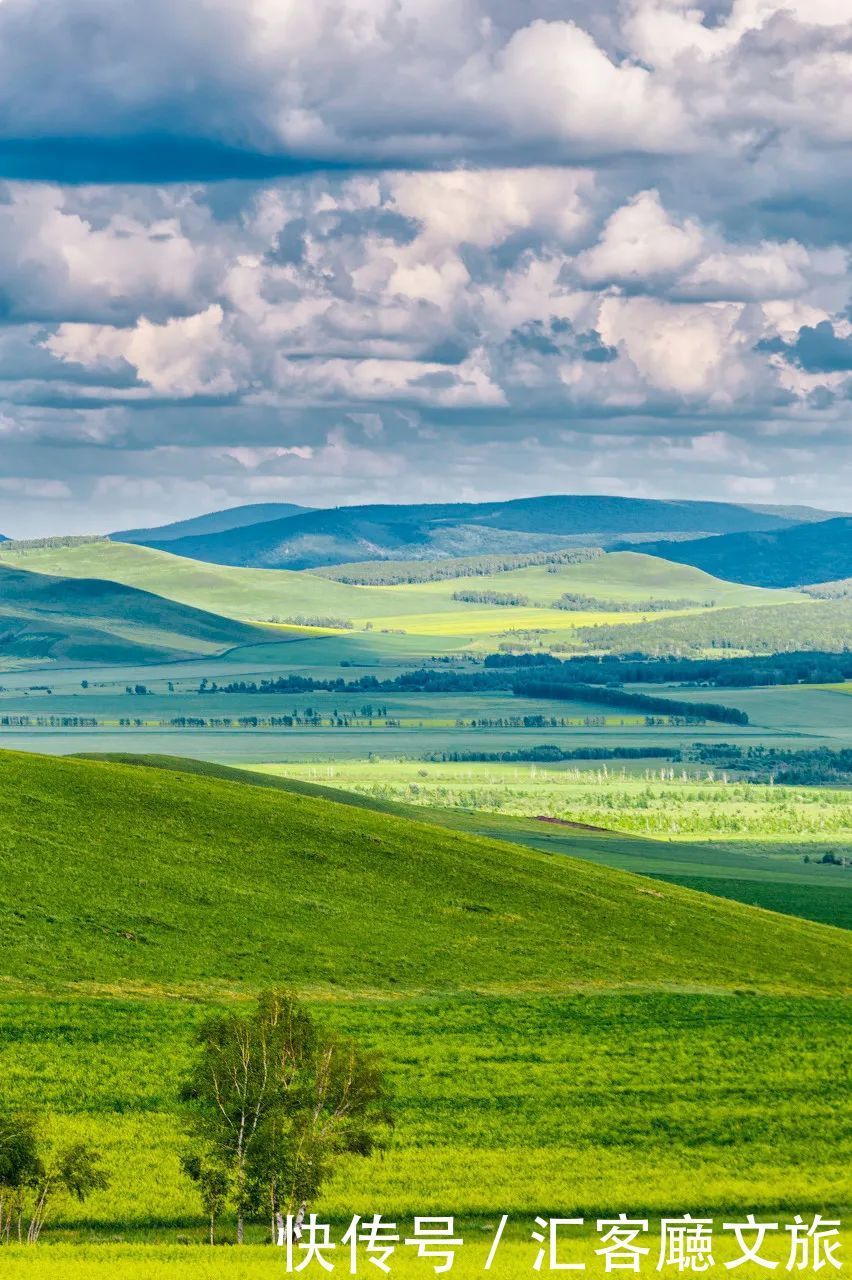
739 840
778 879
806 709
516 1257
45 618
664 802
621 576
237 728
427 610
560 1036
203 904
519 1105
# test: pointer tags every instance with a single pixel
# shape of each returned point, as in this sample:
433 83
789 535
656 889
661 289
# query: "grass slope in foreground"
728 868
560 1037
203 884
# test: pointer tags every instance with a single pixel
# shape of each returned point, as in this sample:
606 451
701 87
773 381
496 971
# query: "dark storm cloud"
201 90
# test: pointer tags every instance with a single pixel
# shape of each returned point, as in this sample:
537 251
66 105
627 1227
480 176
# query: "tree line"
500 672
574 602
798 667
640 702
810 767
501 598
390 573
547 754
51 544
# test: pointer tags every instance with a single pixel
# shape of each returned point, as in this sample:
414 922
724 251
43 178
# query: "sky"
414 250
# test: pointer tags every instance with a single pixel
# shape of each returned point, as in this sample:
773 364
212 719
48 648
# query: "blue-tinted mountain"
434 531
215 522
792 557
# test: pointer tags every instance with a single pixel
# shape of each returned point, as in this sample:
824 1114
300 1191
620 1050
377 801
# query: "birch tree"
273 1101
34 1171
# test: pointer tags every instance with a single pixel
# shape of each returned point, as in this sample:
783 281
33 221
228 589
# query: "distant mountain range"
89 620
215 522
792 557
305 539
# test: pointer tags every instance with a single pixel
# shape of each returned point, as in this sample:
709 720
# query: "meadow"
52 711
576 1104
662 801
776 879
428 610
516 1256
561 1037
770 846
201 907
811 710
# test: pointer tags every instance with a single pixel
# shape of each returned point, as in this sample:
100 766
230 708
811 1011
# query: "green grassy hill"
248 594
556 1034
82 620
262 594
727 869
202 883
623 577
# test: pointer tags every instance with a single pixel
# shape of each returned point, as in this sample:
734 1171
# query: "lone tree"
272 1102
33 1172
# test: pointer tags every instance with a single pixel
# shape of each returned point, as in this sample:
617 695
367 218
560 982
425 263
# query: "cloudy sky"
353 250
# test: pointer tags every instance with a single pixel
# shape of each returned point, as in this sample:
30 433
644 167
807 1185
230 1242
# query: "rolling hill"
46 618
793 889
430 531
262 594
214 522
206 885
247 594
554 1032
819 626
793 557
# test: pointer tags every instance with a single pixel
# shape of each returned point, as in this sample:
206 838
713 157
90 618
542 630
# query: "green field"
620 576
516 1256
46 619
769 875
670 803
103 717
504 1104
692 827
806 709
426 610
234 843
560 1035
